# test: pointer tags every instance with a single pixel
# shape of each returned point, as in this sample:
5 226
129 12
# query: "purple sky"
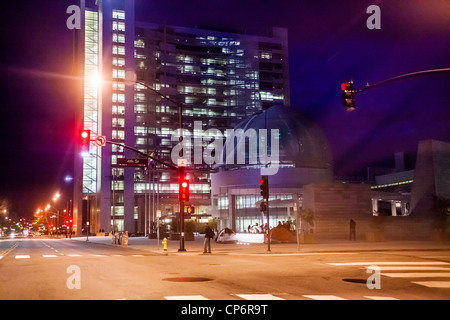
328 44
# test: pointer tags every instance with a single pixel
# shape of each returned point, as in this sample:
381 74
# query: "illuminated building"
220 78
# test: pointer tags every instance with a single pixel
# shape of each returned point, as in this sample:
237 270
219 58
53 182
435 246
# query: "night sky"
329 43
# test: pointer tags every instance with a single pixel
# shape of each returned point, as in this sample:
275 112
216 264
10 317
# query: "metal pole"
88 218
181 176
408 75
268 226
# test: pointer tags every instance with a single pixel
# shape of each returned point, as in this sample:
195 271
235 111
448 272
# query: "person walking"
352 229
209 233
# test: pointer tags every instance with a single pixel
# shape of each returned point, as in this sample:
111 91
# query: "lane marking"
417 275
434 284
324 297
395 263
295 254
185 298
413 268
379 298
258 297
49 256
24 256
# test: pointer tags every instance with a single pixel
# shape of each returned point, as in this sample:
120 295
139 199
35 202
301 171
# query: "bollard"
164 243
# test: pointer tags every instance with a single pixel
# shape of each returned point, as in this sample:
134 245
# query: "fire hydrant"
164 243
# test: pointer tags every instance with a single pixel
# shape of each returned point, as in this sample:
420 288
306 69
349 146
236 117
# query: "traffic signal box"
184 190
264 186
85 140
348 95
190 210
68 222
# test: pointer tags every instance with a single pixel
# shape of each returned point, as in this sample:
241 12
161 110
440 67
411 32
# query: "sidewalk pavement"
196 246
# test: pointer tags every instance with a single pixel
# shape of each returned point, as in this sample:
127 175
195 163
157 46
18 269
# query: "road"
67 269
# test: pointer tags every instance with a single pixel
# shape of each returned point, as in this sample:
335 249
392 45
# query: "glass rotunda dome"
302 144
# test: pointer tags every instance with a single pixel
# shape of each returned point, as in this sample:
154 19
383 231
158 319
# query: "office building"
130 68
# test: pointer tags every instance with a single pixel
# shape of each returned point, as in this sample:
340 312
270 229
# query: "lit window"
119 62
118 50
139 43
118 38
118 26
119 14
118 74
118 86
266 55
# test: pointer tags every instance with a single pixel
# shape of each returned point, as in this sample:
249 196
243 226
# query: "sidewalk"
196 246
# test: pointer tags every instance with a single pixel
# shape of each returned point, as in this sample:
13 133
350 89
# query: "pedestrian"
209 233
352 229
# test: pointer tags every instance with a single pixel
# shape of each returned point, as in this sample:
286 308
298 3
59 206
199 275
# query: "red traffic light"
348 95
264 186
184 190
85 140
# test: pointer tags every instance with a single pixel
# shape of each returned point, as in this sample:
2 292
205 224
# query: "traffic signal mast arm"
408 75
349 92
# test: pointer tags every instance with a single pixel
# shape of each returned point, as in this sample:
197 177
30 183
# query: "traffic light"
348 95
264 186
262 207
184 190
85 140
68 221
190 210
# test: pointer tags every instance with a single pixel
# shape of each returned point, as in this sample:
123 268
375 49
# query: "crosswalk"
268 296
427 271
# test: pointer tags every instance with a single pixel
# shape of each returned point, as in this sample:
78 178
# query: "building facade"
130 68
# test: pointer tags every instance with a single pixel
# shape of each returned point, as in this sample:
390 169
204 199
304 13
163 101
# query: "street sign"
182 162
100 141
124 162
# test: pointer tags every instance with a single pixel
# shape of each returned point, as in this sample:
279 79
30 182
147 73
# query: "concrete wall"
334 204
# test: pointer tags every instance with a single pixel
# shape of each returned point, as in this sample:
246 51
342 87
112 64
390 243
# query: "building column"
375 206
393 208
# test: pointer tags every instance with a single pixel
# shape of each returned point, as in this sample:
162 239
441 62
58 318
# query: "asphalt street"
76 269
